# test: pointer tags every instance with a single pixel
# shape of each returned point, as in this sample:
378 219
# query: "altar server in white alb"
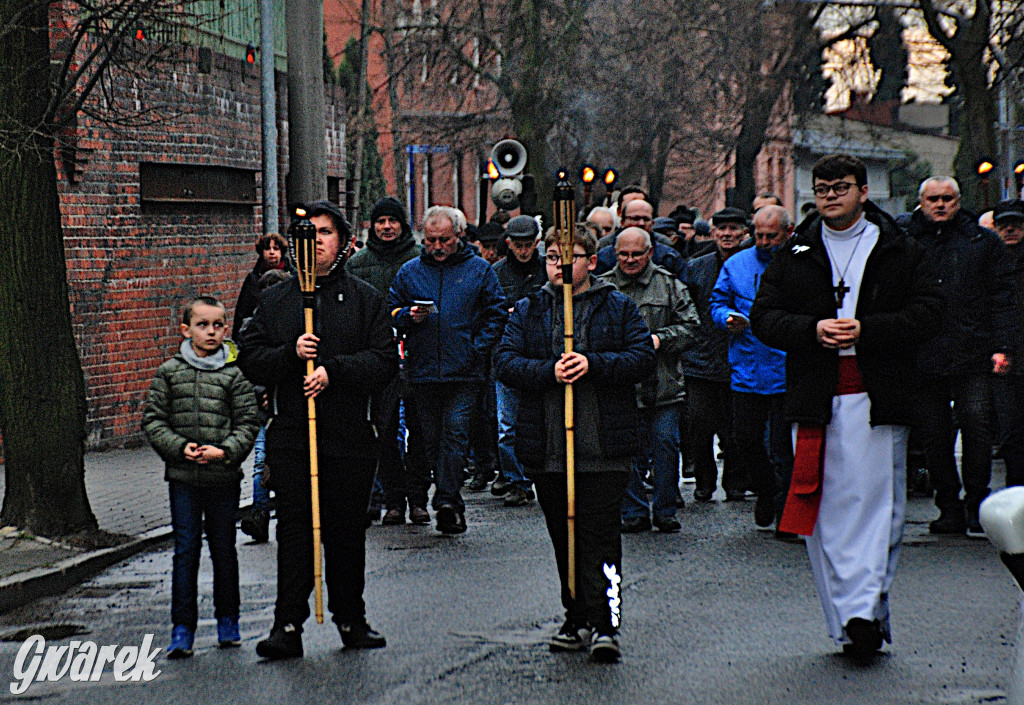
849 301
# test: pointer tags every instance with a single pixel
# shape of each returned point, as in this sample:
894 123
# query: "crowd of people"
826 358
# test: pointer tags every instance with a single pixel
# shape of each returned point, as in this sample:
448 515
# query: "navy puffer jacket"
619 352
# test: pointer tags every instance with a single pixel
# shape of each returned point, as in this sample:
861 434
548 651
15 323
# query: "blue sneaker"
181 642
227 633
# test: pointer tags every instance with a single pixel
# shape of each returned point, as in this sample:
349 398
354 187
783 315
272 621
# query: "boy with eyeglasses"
613 351
848 299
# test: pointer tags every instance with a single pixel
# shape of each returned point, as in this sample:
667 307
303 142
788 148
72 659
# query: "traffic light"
250 54
1018 180
140 30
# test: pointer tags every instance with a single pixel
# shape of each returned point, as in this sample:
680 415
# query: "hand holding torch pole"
565 226
303 235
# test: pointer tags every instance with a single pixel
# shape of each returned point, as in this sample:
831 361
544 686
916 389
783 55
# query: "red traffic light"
250 54
140 30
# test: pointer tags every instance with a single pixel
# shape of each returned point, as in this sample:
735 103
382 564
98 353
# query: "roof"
818 142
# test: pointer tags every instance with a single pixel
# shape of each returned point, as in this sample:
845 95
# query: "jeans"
445 410
973 401
260 493
344 485
192 510
508 410
764 444
659 435
598 541
483 432
711 415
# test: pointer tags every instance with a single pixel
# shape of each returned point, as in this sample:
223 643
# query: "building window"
186 189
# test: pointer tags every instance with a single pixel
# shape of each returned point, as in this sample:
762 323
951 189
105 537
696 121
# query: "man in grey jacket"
668 311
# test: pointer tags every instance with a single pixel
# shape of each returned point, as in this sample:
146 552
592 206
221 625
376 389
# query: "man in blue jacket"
758 372
451 307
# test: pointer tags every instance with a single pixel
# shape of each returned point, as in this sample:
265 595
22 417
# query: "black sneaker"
479 482
285 641
636 525
701 495
516 497
949 522
764 514
257 525
499 487
359 635
604 648
667 525
974 528
567 639
450 521
865 638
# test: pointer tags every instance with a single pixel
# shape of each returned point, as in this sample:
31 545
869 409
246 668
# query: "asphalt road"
718 613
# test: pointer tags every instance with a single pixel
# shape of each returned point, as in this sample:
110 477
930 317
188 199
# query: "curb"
20 589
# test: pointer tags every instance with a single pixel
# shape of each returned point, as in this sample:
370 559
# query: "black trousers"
1013 444
972 398
764 444
483 431
598 542
344 492
711 415
403 476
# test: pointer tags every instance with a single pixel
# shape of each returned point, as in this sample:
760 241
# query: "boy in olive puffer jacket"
201 418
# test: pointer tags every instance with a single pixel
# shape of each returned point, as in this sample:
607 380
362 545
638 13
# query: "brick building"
155 215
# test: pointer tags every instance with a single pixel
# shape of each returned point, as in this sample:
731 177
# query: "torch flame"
492 171
588 174
609 177
1019 169
985 167
300 212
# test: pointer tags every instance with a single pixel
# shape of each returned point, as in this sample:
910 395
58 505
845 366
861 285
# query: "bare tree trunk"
42 404
967 47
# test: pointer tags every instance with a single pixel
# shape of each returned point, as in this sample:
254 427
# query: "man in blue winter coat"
451 307
758 371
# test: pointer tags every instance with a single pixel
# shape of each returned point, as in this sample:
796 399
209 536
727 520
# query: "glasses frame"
839 188
557 259
626 256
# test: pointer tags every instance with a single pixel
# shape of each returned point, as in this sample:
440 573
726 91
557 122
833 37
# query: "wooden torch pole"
565 226
303 235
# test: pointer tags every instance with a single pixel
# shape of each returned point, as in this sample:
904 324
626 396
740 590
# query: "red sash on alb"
801 511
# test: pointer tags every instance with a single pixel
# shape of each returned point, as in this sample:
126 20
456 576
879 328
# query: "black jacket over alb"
356 348
899 307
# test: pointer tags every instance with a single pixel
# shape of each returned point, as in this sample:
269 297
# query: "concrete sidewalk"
128 495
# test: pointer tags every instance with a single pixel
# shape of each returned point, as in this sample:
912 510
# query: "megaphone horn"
509 157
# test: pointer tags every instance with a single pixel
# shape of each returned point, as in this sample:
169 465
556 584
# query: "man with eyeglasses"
849 299
665 304
451 307
758 371
978 327
640 214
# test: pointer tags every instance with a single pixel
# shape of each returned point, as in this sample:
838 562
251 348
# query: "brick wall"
130 273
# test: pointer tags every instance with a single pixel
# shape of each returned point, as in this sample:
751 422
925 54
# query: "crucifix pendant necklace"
841 289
